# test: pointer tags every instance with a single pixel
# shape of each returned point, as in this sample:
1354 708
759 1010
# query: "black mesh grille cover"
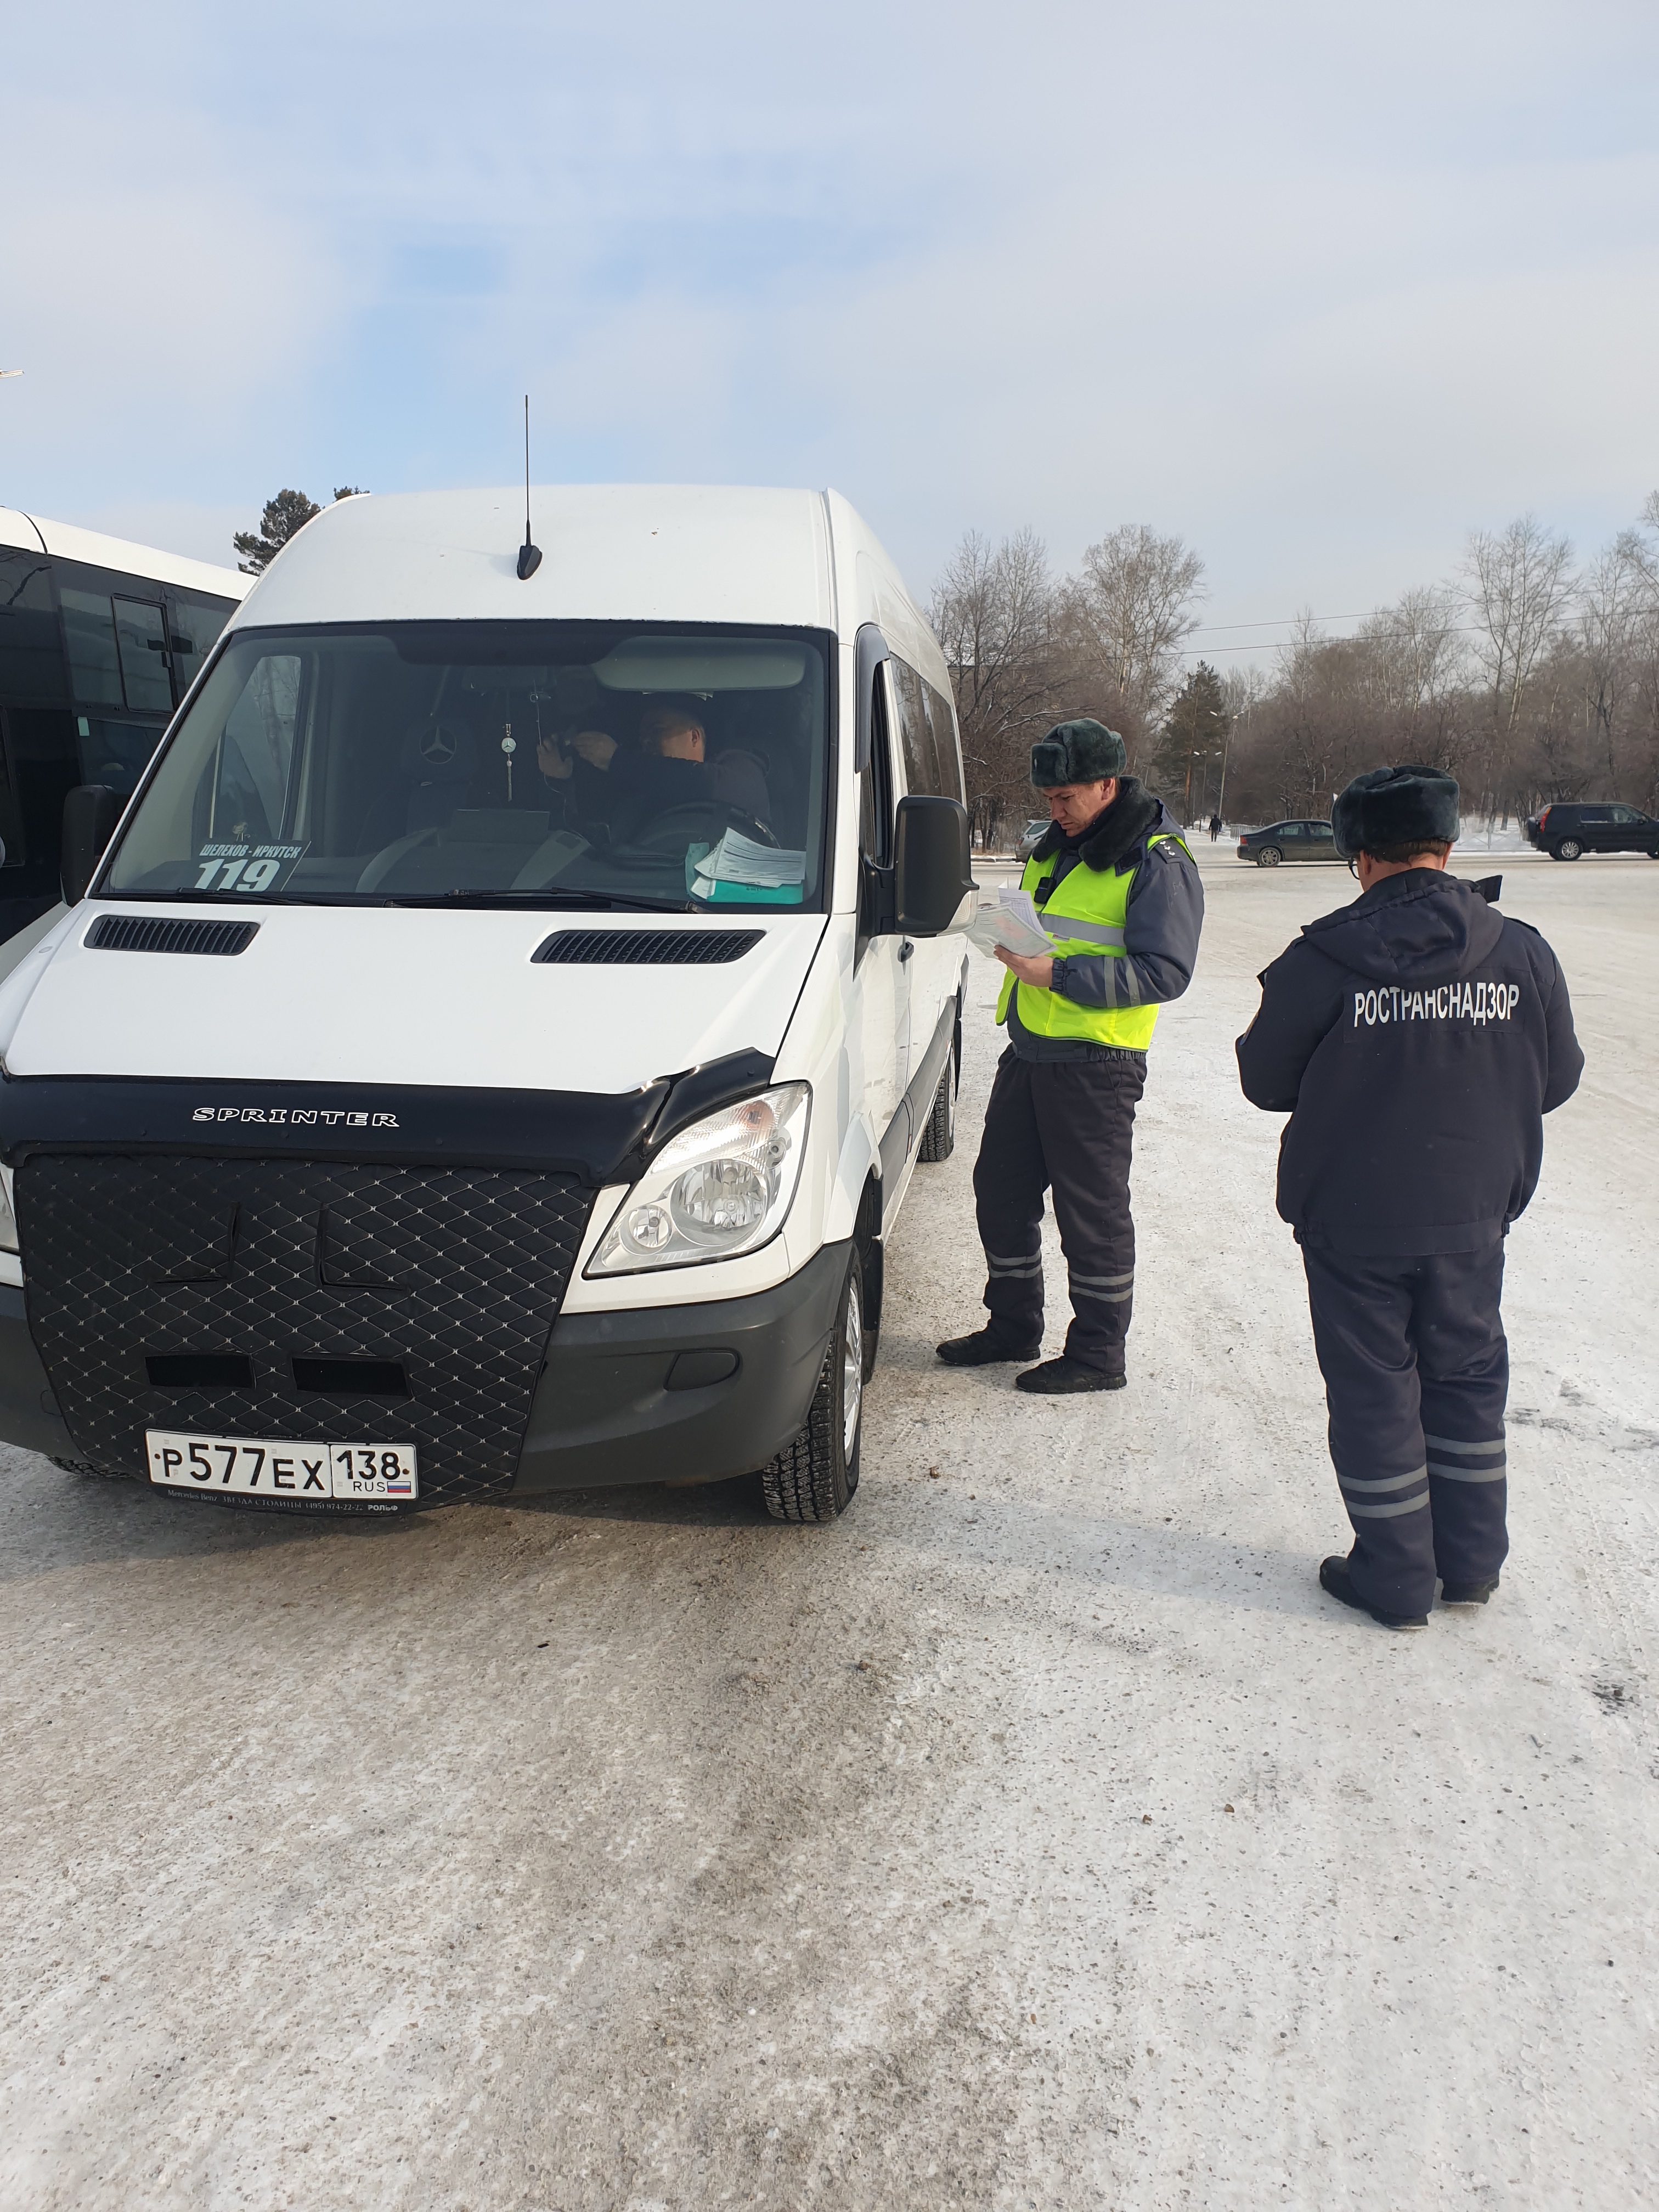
455 1272
662 948
155 933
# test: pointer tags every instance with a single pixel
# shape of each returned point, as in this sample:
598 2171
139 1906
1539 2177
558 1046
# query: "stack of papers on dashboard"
1012 921
739 859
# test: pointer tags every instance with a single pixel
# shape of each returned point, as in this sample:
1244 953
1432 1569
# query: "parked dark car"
1027 845
1288 840
1566 833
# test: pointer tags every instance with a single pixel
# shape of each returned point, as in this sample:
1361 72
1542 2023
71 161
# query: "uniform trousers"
1416 1373
1068 1125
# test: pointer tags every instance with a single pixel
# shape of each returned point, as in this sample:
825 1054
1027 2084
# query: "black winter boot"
982 1349
1468 1592
1057 1377
1333 1577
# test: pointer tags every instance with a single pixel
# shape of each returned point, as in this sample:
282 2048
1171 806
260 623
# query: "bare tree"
993 613
1419 666
1132 605
1519 584
1617 603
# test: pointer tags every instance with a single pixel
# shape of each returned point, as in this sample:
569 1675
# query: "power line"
1377 637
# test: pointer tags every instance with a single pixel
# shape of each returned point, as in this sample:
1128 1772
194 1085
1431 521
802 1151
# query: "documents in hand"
1011 920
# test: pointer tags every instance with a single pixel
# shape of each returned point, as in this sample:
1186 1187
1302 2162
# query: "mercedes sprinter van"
488 1052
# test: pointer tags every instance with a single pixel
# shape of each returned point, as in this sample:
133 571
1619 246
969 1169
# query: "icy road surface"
1038 1837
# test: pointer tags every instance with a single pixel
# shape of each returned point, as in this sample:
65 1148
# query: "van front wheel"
939 1132
813 1477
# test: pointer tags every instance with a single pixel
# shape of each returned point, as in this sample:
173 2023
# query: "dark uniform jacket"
1160 928
1417 1038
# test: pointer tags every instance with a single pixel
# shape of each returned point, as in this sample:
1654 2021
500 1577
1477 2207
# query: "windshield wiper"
531 899
552 897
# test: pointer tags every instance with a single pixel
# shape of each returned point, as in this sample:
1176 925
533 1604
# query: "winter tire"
813 1478
939 1133
1268 856
1568 849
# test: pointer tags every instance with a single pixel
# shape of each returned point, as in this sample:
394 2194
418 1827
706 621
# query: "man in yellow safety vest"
1120 896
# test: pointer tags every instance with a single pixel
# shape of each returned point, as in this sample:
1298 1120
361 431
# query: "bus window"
115 753
31 657
94 665
141 637
196 625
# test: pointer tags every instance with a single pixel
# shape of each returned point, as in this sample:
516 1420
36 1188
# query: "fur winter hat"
1406 805
1078 752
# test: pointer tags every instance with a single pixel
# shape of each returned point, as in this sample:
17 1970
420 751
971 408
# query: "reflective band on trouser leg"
1459 1463
1112 1288
1369 1500
995 1264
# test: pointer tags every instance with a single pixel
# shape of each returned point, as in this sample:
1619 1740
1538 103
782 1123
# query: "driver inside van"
671 768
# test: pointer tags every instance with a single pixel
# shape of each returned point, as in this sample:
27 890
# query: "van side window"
945 742
921 769
876 784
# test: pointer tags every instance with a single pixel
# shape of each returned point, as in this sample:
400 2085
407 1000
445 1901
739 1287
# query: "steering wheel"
678 825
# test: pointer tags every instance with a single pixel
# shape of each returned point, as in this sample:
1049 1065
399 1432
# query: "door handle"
906 949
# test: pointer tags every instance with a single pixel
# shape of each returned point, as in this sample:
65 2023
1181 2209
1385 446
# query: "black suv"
1288 840
1603 826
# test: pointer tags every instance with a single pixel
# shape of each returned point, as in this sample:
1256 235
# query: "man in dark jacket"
1122 904
1417 1038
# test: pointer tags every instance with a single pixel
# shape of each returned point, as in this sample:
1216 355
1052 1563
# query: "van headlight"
719 1188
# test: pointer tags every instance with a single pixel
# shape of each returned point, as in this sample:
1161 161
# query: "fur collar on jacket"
1118 835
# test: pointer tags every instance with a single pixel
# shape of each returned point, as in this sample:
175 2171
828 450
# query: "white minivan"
489 1052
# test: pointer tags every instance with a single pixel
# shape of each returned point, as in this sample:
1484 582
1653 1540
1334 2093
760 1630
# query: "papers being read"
1011 921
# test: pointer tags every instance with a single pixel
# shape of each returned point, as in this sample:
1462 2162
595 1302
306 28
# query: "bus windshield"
537 762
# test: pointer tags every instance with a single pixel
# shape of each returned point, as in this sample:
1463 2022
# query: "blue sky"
1319 288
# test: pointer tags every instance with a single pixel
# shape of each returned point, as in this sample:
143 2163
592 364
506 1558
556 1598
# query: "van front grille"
452 1278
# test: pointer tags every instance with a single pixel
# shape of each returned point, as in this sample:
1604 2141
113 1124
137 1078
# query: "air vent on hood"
658 948
148 933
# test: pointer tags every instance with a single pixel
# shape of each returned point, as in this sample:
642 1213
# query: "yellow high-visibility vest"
1086 915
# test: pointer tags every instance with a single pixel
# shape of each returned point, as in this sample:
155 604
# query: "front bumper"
688 1393
672 1393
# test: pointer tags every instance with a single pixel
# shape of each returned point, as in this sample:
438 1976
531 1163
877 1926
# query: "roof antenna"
530 556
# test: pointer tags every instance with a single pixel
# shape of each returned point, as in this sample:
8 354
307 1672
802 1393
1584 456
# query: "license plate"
280 1467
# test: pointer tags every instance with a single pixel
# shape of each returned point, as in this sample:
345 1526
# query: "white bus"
100 641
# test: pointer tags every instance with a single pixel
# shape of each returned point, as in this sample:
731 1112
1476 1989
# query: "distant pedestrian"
1215 827
1416 1037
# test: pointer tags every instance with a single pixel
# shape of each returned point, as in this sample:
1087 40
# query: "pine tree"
1196 729
287 513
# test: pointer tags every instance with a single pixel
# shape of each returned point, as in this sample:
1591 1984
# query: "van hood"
1422 927
400 996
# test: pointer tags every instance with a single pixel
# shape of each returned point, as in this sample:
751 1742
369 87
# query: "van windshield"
535 762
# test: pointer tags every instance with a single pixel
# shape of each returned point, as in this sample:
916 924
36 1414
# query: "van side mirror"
930 875
91 812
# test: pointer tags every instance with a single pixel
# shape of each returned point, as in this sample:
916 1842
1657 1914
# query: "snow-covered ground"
1038 1836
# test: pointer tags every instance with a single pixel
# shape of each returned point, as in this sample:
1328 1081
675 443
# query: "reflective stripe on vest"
1086 914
